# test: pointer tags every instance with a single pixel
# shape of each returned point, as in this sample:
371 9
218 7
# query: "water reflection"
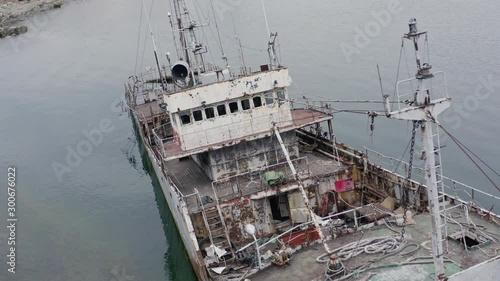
177 265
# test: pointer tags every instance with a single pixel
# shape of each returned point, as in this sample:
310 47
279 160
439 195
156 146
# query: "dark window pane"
233 107
245 104
257 101
197 115
269 98
209 112
281 95
185 118
221 109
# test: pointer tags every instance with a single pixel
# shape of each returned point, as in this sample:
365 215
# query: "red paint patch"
301 237
344 185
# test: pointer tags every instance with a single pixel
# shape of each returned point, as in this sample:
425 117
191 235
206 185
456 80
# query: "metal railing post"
355 218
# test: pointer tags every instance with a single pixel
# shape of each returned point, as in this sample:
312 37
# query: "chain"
371 116
412 148
408 175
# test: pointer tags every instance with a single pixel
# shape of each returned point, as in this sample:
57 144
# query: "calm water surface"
106 219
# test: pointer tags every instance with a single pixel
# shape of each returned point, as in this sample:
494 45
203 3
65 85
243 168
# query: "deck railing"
192 202
453 188
405 89
143 83
251 182
324 106
350 213
163 134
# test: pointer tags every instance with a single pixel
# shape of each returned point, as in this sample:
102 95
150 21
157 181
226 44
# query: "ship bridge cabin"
226 112
227 127
220 151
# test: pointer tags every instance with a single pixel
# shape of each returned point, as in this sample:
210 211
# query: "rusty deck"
304 267
149 110
188 176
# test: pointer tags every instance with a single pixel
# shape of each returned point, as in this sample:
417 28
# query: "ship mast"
424 111
187 40
160 75
271 44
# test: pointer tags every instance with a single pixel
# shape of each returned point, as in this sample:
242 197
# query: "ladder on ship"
216 226
425 102
441 197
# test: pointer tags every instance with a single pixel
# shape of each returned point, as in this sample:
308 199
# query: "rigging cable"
253 48
482 161
427 47
211 31
407 67
199 11
146 36
240 50
138 41
402 156
265 17
399 64
163 81
279 51
177 49
218 32
464 150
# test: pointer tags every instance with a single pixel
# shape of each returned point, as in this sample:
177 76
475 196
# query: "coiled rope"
385 246
378 245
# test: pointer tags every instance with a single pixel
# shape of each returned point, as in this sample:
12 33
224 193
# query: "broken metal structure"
237 158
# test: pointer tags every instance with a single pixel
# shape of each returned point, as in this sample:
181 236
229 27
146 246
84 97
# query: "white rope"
385 246
377 245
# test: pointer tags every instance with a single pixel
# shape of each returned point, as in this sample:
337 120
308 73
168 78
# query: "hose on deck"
386 246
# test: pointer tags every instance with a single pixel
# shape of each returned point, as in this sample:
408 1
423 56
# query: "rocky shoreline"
13 11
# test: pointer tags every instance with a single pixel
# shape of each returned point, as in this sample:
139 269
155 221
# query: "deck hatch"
468 238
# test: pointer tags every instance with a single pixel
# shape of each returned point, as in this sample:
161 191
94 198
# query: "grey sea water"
104 218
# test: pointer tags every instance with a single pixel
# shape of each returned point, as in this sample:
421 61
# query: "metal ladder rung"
222 242
217 229
212 217
215 223
210 211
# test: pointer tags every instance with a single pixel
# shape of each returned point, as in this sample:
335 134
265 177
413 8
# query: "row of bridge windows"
240 105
